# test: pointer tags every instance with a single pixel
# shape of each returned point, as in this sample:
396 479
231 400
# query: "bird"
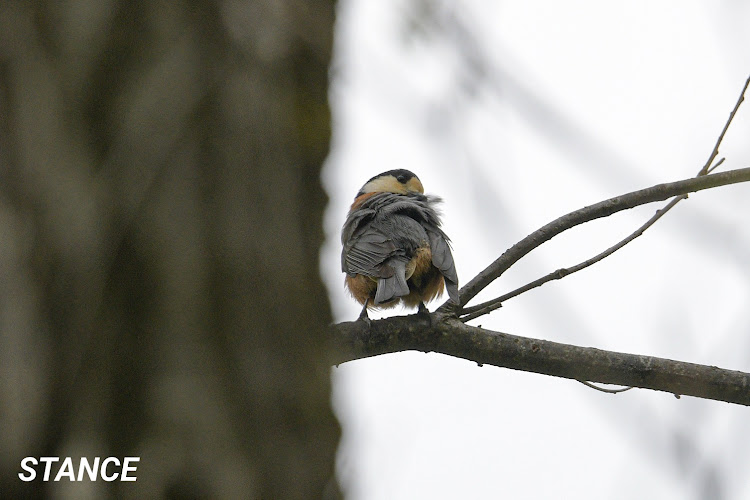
393 248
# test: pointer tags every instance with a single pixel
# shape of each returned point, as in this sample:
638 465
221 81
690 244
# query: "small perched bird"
393 248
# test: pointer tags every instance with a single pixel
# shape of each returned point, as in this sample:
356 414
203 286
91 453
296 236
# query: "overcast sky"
516 113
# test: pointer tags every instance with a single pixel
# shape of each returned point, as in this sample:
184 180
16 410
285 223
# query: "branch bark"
443 333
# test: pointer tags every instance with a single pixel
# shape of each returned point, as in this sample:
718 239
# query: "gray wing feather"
366 253
442 258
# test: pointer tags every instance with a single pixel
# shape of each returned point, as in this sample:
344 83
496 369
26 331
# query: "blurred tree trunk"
160 220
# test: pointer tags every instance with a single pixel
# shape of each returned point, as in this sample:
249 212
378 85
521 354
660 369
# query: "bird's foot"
423 312
363 316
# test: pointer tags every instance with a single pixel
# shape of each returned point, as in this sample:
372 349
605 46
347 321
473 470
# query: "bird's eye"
401 179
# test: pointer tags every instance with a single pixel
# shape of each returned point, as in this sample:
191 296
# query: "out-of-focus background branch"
160 220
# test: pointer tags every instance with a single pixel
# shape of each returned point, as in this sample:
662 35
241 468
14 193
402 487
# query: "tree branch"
447 335
715 152
604 208
469 313
473 312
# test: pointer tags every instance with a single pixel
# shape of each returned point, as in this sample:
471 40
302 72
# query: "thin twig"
715 166
602 389
715 151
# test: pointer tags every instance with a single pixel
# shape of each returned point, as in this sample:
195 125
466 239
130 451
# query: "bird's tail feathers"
394 286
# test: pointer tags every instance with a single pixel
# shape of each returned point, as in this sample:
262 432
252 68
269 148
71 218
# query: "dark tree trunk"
160 221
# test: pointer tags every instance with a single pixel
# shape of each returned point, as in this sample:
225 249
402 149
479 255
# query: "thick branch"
447 335
602 209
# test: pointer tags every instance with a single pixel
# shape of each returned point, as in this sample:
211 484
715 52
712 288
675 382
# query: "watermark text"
108 468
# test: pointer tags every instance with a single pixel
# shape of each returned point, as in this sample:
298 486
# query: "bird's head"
398 181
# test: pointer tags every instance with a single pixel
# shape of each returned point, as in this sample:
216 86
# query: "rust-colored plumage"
393 248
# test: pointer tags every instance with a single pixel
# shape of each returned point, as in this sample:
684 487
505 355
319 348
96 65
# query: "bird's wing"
366 252
442 258
423 209
374 234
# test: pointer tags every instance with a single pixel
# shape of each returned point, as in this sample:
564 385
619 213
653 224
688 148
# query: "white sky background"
573 102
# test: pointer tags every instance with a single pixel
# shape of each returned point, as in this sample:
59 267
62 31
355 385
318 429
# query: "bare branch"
448 335
715 151
604 208
474 312
716 165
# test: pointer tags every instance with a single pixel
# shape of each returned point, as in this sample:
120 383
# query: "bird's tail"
395 285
